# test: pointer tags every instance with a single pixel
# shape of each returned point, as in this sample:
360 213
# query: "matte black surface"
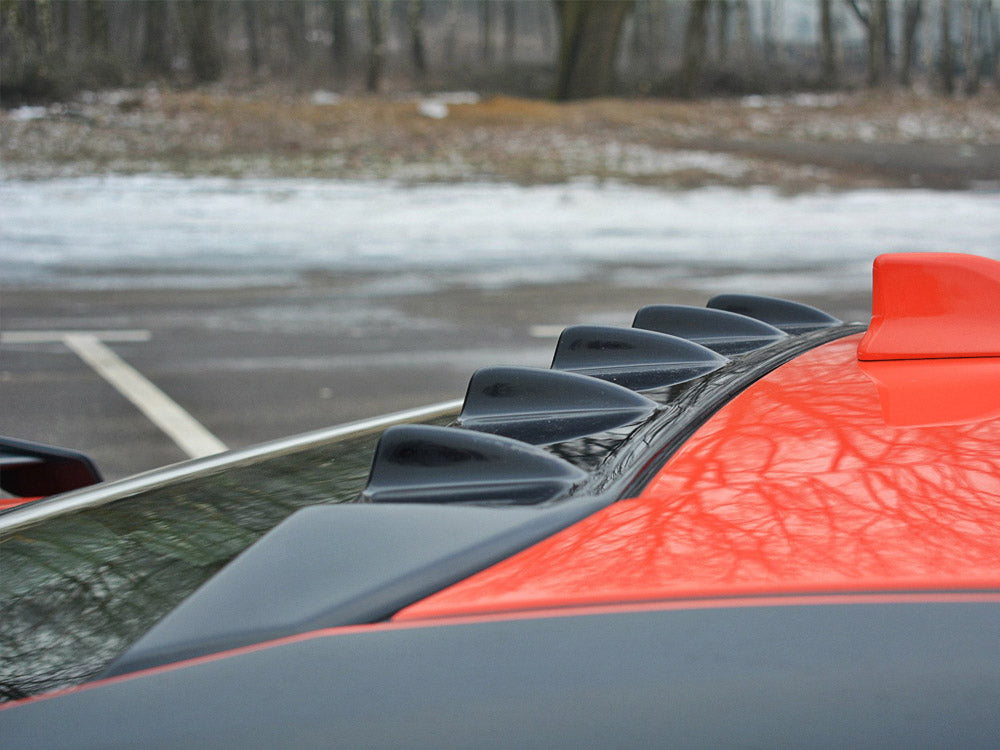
636 359
547 406
836 676
723 332
32 469
422 464
327 566
791 317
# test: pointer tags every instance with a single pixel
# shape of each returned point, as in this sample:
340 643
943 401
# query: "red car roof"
828 475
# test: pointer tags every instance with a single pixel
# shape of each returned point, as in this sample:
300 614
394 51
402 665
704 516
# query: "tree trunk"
767 29
545 30
376 45
250 29
828 45
744 30
415 19
509 33
885 34
722 13
203 46
95 19
451 33
588 46
947 74
695 43
294 21
912 12
876 23
155 57
486 29
26 12
994 22
341 31
970 58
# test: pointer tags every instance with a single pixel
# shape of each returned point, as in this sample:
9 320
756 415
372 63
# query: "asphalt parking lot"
142 378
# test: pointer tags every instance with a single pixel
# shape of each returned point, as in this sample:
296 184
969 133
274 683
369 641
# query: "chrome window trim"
99 494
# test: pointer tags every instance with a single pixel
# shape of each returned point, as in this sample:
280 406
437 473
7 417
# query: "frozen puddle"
120 232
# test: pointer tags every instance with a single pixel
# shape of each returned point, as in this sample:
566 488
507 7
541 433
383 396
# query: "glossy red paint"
821 477
930 305
13 502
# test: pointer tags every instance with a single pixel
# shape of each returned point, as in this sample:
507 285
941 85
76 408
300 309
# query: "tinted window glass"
76 590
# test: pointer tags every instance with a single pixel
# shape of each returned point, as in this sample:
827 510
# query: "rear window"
78 589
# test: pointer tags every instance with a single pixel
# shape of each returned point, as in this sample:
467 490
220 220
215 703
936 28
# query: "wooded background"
567 49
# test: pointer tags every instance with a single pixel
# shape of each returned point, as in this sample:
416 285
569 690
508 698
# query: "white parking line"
47 337
161 410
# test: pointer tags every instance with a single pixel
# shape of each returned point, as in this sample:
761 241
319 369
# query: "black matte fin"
719 330
792 317
637 359
547 406
424 464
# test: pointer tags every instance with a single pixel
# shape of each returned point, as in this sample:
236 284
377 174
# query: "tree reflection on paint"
799 484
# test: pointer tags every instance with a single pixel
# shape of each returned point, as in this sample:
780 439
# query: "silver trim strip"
99 494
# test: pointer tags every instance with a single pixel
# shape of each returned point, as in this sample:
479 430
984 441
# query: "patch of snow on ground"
137 231
323 98
26 113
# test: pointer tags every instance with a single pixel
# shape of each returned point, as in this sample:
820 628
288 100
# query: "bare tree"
994 24
486 29
23 54
744 30
415 20
912 13
155 55
874 15
722 30
376 45
293 20
589 32
828 44
340 28
198 20
947 71
95 15
252 34
695 43
545 27
509 32
970 57
451 19
767 31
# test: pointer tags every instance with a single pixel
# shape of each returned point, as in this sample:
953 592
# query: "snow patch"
134 232
323 98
